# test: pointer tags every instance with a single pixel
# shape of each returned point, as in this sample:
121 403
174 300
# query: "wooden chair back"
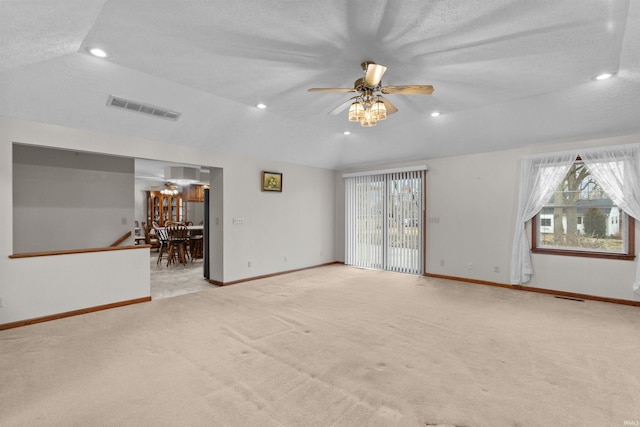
177 231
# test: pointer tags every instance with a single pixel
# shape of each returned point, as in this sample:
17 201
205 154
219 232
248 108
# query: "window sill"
584 254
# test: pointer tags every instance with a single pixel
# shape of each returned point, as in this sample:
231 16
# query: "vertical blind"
384 221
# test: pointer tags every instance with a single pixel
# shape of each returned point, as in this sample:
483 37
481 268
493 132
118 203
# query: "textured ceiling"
506 73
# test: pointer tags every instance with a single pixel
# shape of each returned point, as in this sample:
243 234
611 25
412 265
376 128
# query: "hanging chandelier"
368 109
169 189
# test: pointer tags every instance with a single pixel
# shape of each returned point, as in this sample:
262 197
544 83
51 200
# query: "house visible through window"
581 219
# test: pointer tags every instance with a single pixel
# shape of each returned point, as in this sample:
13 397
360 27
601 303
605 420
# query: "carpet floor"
331 346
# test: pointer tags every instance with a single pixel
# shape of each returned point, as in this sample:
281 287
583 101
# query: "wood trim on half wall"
72 313
77 251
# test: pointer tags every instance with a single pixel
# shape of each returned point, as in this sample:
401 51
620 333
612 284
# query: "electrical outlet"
249 264
217 221
496 269
1 302
124 221
285 259
470 266
441 263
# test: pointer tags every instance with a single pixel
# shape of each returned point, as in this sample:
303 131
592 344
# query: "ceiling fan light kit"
370 107
368 110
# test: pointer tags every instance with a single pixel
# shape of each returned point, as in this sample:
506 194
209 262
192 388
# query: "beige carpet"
332 346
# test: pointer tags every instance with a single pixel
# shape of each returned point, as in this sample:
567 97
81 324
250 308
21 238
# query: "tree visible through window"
581 219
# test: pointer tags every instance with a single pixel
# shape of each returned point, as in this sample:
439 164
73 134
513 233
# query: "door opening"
385 221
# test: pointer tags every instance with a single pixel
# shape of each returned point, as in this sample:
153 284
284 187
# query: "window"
580 219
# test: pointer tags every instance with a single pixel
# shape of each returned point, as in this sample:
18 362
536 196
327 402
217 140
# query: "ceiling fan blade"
374 74
391 109
331 89
408 90
340 108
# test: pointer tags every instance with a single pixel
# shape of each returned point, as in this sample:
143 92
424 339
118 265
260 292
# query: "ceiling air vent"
139 107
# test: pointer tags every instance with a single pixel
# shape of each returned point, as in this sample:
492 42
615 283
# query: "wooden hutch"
162 208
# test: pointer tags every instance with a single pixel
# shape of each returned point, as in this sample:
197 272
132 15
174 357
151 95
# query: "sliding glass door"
365 212
384 221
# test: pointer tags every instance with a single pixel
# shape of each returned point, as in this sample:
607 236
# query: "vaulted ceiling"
506 73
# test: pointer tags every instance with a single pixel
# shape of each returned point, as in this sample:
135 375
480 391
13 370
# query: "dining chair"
163 240
195 244
178 235
148 238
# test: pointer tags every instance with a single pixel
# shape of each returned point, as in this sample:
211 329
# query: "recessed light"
96 51
604 76
261 106
435 114
346 132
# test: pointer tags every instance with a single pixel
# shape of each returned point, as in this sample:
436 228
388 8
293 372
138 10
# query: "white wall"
70 200
297 223
471 208
41 286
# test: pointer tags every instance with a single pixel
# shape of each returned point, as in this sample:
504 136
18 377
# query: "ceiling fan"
369 107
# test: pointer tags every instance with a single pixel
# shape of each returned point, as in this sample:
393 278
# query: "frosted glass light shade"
368 120
378 110
356 112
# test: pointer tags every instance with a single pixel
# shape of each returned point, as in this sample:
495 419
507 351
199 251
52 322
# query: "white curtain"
617 170
539 177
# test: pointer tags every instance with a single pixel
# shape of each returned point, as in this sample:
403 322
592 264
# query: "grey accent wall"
70 200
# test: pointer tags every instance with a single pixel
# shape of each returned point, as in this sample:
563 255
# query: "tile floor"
176 279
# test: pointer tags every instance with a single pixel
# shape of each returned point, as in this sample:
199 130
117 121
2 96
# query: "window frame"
628 256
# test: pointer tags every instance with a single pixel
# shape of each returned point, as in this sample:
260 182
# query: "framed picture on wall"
271 181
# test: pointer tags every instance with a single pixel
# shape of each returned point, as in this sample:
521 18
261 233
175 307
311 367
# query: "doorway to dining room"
163 199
